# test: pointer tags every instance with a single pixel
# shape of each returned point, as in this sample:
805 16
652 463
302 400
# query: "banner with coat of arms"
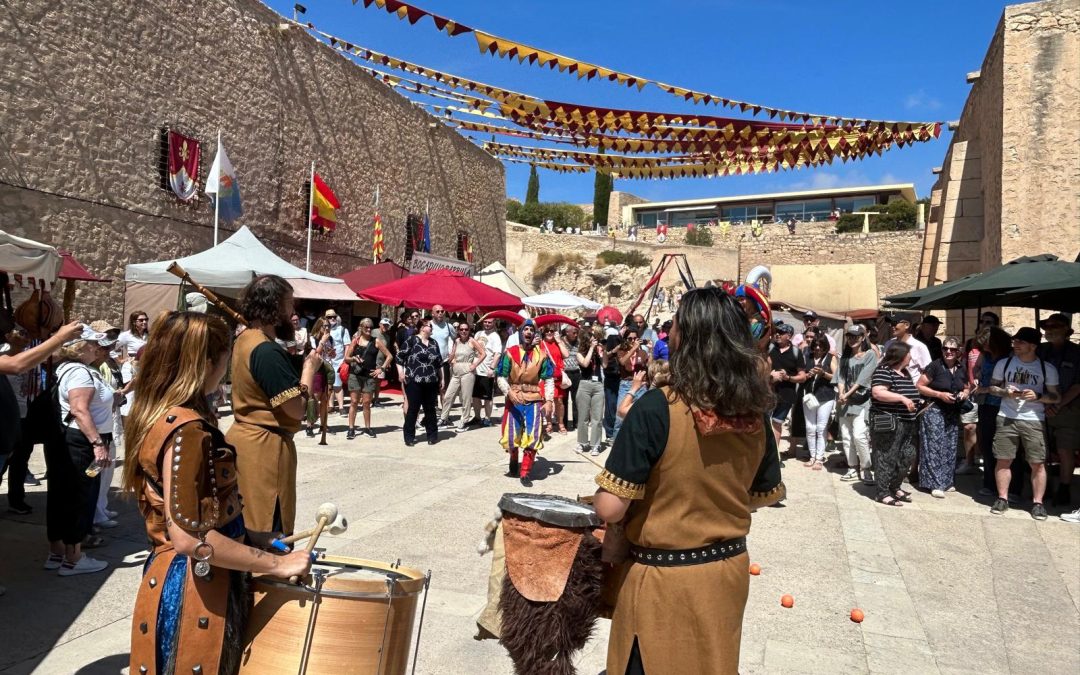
184 156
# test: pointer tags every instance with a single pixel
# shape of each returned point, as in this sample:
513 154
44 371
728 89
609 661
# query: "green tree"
602 184
699 236
513 210
892 217
532 192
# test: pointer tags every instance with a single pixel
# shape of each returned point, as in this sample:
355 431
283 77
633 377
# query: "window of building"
645 218
853 204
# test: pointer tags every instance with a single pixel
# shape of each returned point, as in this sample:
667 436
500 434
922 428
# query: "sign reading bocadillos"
425 262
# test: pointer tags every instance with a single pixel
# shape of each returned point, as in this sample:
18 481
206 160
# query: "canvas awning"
497 276
373 275
454 291
27 262
233 263
562 301
73 270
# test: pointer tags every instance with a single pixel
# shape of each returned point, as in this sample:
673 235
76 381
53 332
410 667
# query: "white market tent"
561 301
28 262
497 276
226 269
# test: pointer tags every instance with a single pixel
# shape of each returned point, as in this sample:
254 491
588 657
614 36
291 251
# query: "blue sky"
880 61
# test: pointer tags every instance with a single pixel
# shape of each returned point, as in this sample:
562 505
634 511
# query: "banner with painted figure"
184 157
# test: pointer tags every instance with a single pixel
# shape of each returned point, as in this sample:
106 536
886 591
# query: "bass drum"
349 616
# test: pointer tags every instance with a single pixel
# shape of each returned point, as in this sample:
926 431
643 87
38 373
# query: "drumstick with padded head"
339 526
325 514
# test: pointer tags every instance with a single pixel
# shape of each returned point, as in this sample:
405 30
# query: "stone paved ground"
946 587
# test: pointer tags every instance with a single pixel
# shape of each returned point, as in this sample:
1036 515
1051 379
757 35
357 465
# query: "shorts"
780 412
364 384
1012 433
970 417
446 373
483 388
1064 428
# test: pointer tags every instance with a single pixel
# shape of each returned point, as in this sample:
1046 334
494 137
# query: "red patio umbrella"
609 313
373 275
71 270
453 290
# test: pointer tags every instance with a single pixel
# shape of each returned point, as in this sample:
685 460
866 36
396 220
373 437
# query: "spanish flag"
324 204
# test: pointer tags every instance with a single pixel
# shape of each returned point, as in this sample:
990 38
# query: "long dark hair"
716 365
895 354
261 301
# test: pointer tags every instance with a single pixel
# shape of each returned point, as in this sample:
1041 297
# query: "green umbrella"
1062 295
984 290
905 300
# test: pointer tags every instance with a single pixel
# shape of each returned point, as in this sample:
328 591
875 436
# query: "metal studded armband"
193 501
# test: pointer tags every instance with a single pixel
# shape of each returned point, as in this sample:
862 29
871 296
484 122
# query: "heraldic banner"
184 157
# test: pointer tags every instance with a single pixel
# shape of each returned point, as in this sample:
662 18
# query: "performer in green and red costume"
519 373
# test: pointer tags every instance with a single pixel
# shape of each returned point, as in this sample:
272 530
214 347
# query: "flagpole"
217 197
311 205
375 258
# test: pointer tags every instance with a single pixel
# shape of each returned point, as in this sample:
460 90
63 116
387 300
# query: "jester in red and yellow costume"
519 373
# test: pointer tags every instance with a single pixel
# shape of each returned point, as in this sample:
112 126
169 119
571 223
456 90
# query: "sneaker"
939 494
867 477
1038 511
1000 506
22 509
310 432
460 429
951 488
581 447
444 423
106 524
1072 517
112 514
851 474
986 492
350 434
53 562
595 452
85 565
966 468
30 480
369 432
485 422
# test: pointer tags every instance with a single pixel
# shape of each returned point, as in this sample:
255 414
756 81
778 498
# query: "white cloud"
920 100
825 180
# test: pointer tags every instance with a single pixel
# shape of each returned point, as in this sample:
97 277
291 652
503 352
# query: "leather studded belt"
660 557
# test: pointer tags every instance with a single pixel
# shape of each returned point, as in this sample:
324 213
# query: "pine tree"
602 184
532 192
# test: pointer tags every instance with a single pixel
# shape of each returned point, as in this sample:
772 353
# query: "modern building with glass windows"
806 206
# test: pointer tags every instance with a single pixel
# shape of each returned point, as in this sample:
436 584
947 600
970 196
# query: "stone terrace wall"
85 89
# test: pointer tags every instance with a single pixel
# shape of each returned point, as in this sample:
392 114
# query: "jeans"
817 415
462 384
590 412
611 405
855 431
624 389
422 395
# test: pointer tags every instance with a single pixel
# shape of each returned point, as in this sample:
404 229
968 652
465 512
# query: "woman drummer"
191 604
687 469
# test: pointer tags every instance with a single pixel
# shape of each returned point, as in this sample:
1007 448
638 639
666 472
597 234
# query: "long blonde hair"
178 357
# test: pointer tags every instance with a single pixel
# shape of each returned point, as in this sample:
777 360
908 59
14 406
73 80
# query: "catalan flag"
324 205
377 248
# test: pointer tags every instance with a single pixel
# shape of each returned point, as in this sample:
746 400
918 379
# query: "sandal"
889 501
903 496
817 466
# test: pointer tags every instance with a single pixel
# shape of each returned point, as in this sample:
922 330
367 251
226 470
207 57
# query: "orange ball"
857 615
787 601
755 569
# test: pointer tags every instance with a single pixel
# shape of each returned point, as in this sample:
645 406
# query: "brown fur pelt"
542 637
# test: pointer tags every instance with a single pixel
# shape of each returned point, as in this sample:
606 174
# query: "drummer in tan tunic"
268 397
689 466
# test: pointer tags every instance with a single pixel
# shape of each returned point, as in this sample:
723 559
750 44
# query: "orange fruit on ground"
857 615
787 601
755 569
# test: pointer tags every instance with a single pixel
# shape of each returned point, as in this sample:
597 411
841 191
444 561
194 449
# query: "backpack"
43 423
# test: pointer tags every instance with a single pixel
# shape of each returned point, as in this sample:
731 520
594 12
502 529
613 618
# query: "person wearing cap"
853 379
1063 418
788 370
134 338
111 374
86 416
340 338
811 320
1026 385
928 336
920 355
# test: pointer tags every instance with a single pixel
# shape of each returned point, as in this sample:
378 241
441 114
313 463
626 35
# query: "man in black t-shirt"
928 335
788 370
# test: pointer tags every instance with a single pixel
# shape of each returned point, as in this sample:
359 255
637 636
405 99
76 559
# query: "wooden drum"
348 616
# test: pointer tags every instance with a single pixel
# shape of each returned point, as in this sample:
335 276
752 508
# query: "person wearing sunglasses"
945 384
134 338
466 355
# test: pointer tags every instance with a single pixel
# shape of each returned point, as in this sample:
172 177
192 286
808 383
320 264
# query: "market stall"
453 290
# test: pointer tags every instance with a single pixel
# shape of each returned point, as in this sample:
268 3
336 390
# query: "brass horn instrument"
177 270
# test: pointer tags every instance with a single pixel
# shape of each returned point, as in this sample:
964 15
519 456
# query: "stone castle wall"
85 93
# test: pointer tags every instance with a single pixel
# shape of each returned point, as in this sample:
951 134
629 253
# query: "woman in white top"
86 418
133 339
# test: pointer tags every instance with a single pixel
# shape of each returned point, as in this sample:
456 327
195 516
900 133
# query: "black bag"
882 422
859 396
966 406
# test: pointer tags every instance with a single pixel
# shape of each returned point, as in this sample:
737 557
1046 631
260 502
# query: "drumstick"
325 514
324 410
339 526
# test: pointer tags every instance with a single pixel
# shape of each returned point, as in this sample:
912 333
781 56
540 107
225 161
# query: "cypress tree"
602 184
532 192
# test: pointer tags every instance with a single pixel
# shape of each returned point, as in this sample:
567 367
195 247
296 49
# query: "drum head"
550 509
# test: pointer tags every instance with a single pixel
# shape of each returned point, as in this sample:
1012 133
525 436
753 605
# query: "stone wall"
619 201
1010 182
888 260
86 88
